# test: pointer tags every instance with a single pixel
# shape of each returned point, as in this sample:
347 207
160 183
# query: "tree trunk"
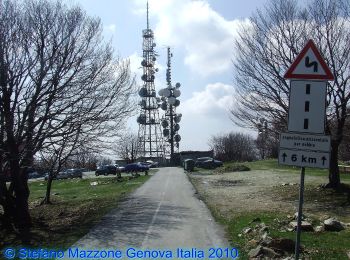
7 202
334 178
22 216
21 191
47 199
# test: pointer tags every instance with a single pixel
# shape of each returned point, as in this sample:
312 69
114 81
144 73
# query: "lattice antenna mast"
150 139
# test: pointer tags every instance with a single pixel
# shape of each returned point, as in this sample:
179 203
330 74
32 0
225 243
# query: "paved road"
162 213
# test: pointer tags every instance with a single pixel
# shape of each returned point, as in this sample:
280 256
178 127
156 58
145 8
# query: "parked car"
60 176
119 168
207 163
75 173
152 164
136 167
105 170
34 175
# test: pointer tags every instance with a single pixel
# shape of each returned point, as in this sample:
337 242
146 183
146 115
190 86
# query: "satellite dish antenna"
164 106
171 100
177 138
177 85
176 93
143 92
167 92
177 119
166 132
165 123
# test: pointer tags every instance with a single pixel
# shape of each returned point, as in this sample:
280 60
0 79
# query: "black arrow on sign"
309 64
323 159
284 157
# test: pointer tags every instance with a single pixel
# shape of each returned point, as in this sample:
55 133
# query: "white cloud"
215 100
205 114
205 36
135 64
111 28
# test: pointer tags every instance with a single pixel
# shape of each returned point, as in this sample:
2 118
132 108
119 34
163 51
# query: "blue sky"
201 34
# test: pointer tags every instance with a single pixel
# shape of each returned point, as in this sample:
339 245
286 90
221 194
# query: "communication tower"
150 139
171 119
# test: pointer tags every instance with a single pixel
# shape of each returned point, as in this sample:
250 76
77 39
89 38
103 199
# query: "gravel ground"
259 190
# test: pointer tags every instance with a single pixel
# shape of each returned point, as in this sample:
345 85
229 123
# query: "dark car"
136 167
75 173
34 175
208 163
60 176
106 169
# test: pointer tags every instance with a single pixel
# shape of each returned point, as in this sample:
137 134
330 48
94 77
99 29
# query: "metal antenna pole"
171 111
300 212
147 17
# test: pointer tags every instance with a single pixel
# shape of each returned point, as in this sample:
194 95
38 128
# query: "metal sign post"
300 212
305 144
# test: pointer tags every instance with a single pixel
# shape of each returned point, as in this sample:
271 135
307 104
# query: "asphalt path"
164 213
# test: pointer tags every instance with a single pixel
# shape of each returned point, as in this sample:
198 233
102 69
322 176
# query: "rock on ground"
332 224
283 244
305 226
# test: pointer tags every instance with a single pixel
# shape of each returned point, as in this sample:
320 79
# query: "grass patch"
76 206
325 245
319 202
272 164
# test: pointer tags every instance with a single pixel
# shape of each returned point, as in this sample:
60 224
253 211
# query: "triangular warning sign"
309 64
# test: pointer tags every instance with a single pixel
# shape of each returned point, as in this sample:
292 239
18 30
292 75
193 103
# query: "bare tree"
56 154
267 47
267 140
126 147
85 157
57 75
344 148
233 147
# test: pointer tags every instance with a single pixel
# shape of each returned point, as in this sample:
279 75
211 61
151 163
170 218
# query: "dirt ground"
268 190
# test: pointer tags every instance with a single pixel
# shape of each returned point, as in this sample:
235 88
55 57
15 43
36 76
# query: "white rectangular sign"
320 143
303 158
307 106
